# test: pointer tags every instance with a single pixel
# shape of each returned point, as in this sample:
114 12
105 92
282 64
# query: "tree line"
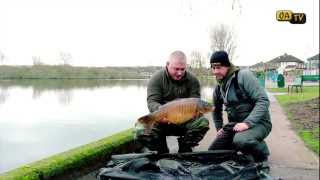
222 37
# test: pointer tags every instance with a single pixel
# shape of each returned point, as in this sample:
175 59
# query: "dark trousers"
190 134
250 141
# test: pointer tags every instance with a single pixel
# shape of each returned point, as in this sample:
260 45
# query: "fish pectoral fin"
196 114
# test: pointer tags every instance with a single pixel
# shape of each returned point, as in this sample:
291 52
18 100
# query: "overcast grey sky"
144 32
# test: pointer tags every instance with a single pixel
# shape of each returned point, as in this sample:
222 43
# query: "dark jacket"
252 107
162 88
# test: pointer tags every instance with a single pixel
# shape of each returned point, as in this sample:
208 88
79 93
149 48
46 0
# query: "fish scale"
176 112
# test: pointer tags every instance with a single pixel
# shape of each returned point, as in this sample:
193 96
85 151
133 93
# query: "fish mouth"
145 119
147 123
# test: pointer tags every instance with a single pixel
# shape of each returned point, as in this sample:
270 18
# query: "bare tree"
66 58
238 4
223 38
36 60
197 62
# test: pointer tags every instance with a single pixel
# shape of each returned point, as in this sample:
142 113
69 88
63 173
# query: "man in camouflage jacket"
168 84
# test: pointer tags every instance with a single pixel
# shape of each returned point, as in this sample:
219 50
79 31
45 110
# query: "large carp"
176 112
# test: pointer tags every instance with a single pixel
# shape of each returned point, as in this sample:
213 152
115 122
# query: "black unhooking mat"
218 164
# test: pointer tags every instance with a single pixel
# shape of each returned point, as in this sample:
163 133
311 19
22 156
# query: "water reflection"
65 97
63 88
45 117
4 94
36 93
57 84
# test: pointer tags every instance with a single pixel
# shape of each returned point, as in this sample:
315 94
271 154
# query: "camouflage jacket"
162 88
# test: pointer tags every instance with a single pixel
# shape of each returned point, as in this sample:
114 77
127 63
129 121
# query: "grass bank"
297 106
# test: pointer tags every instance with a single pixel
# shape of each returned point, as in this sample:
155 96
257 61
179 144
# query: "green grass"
310 137
275 90
308 93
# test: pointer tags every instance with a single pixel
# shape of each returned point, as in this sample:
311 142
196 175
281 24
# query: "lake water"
39 118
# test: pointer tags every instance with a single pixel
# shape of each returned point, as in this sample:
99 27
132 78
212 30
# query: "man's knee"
195 131
258 149
241 142
145 139
198 124
199 127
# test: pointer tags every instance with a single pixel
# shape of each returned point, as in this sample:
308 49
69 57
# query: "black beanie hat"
220 57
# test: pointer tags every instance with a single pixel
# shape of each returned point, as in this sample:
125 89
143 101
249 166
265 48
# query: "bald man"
170 83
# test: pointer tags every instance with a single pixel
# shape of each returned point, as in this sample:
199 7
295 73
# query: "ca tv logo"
293 18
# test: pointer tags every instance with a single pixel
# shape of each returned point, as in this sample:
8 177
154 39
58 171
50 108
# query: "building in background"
285 63
312 66
258 67
281 63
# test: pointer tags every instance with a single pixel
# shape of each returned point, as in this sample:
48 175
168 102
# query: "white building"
312 66
284 62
